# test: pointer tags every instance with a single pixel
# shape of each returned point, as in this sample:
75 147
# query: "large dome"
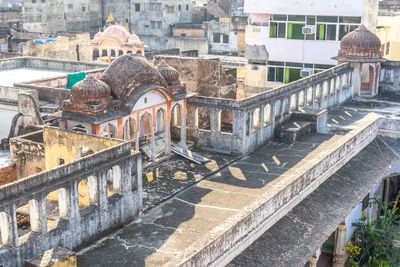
128 72
360 43
90 90
118 34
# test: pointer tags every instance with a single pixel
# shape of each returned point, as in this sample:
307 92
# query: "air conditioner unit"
306 72
308 29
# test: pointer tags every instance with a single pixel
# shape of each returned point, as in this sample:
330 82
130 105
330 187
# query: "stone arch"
286 106
160 121
139 53
301 98
338 83
5 229
129 52
112 53
256 119
120 52
129 129
293 102
267 115
332 87
203 121
318 92
325 89
225 121
146 125
309 96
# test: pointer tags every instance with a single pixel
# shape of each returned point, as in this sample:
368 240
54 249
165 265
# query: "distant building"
56 15
227 36
113 42
301 39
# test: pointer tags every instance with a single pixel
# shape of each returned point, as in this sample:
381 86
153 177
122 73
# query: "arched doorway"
130 129
145 127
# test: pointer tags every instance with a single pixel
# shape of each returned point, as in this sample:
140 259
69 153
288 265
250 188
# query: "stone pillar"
109 55
183 125
38 216
312 262
63 203
8 226
167 136
339 255
314 88
153 144
74 215
262 119
386 193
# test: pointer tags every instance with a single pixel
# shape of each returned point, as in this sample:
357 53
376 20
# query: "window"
43 1
61 161
216 38
294 31
226 39
170 9
83 7
277 30
33 1
387 48
327 19
352 20
70 6
137 7
187 7
159 25
152 6
179 7
153 24
158 6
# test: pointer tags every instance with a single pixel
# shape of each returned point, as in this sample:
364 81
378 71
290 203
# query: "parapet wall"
390 77
75 225
254 118
48 63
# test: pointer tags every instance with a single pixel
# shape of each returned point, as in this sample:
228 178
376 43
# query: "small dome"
169 73
89 90
117 33
360 43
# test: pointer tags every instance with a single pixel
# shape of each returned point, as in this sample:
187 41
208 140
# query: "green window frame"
294 31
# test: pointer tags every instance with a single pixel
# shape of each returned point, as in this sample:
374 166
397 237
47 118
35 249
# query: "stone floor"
165 180
162 234
194 211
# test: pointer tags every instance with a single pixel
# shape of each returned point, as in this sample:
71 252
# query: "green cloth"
73 78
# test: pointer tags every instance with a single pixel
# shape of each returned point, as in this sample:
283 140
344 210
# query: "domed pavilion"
362 49
132 100
113 42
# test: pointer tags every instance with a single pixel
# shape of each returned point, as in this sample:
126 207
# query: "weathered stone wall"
27 151
67 46
255 118
68 145
390 77
192 70
75 225
157 43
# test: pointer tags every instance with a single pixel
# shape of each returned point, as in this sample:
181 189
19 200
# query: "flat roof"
10 76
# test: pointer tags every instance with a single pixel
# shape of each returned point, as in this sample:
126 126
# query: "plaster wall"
75 226
67 145
159 43
390 77
306 7
7 113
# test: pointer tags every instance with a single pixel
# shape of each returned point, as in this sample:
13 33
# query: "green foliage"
375 240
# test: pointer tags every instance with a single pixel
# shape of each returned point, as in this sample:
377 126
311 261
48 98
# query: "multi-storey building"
56 15
157 17
301 39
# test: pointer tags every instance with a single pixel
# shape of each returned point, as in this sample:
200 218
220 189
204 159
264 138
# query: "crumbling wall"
390 77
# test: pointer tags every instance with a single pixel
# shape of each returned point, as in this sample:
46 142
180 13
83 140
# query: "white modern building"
301 36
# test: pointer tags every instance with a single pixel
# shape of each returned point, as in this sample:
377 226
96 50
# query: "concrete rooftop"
171 233
10 76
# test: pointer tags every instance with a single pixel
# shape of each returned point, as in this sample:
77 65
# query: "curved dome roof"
128 72
169 73
360 43
117 33
90 90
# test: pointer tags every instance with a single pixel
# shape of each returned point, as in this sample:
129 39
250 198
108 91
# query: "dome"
134 38
117 33
360 43
169 73
127 72
90 90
